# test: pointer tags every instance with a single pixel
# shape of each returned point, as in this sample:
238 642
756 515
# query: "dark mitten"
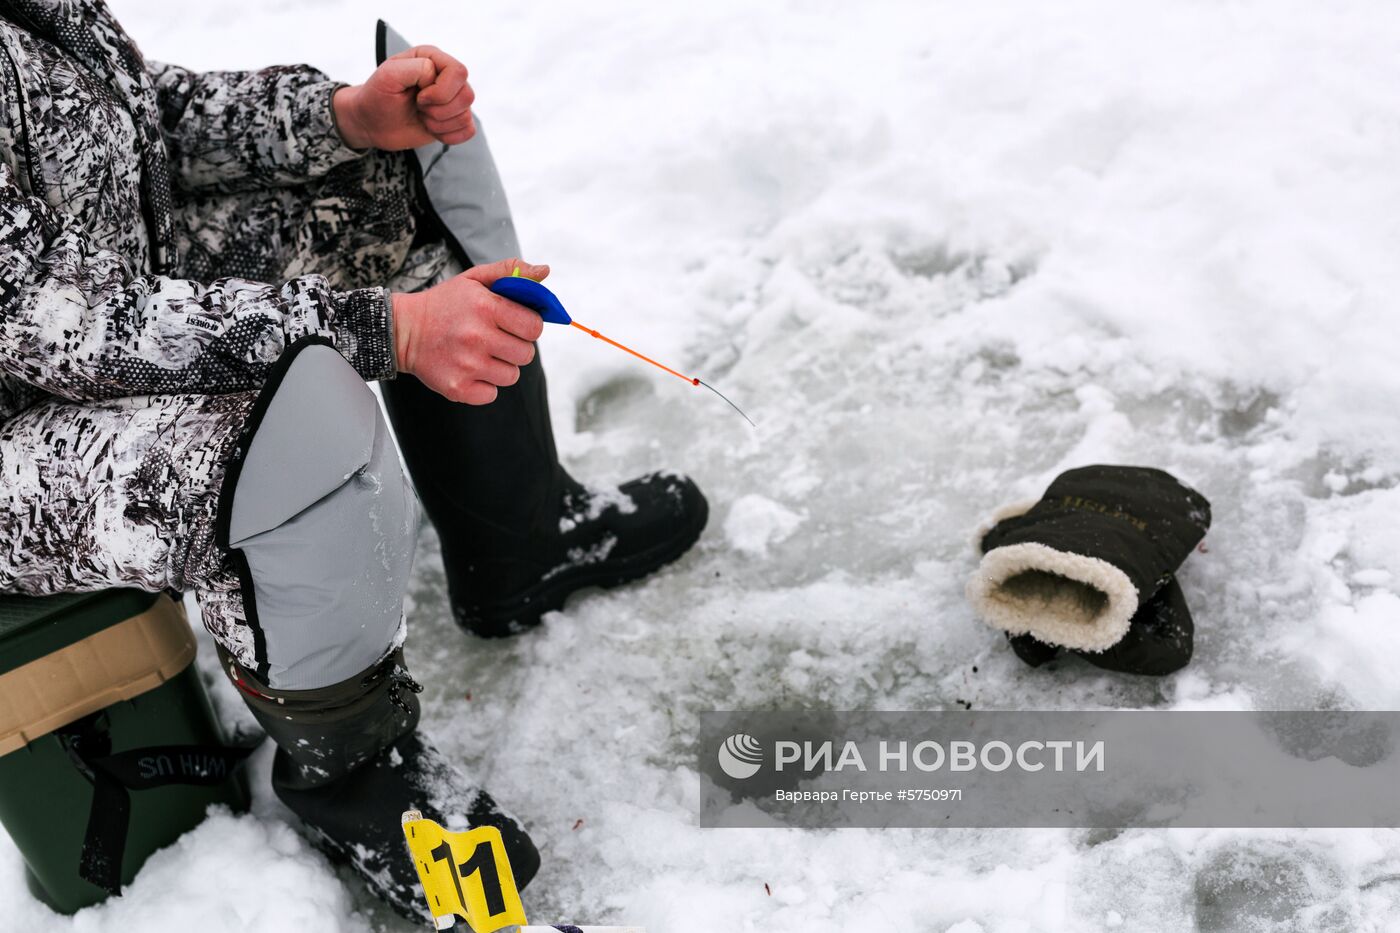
1158 642
1033 652
1090 567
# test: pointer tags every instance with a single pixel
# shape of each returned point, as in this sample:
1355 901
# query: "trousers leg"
320 523
132 493
122 493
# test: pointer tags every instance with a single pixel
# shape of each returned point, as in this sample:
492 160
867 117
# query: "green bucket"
109 749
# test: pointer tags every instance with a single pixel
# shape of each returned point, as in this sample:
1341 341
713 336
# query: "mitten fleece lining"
1060 598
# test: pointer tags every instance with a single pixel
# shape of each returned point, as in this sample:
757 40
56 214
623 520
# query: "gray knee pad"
321 523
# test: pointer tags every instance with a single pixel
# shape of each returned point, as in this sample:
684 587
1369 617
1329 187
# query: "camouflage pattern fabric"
164 236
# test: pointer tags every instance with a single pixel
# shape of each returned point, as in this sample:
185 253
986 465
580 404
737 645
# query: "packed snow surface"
939 252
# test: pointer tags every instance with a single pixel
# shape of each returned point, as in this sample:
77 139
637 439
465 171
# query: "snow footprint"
610 403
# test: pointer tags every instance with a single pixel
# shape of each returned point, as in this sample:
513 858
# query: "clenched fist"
461 339
415 97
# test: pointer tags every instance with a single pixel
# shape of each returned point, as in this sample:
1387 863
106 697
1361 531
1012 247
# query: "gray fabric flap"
464 187
318 430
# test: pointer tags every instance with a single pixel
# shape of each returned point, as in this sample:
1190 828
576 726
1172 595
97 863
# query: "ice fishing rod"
541 300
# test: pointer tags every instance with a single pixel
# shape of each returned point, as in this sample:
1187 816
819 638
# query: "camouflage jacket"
100 153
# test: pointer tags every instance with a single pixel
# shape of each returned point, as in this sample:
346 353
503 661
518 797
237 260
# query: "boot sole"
415 910
526 610
339 854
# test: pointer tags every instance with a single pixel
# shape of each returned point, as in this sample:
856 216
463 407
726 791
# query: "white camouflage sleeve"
232 130
74 320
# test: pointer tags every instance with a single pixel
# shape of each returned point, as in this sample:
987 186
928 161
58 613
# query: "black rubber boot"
350 762
518 534
1091 567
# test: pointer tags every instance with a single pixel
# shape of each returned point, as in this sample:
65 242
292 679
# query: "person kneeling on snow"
198 274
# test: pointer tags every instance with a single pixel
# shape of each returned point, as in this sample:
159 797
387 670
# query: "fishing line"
693 380
537 298
699 382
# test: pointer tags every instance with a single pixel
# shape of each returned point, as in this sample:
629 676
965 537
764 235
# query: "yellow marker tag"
464 875
516 273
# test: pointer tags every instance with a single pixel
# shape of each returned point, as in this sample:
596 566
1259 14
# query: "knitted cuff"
364 332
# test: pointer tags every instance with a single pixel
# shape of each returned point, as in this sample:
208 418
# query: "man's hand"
461 339
415 97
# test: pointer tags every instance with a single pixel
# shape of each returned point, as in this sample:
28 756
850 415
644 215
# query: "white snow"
599 500
756 521
939 252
